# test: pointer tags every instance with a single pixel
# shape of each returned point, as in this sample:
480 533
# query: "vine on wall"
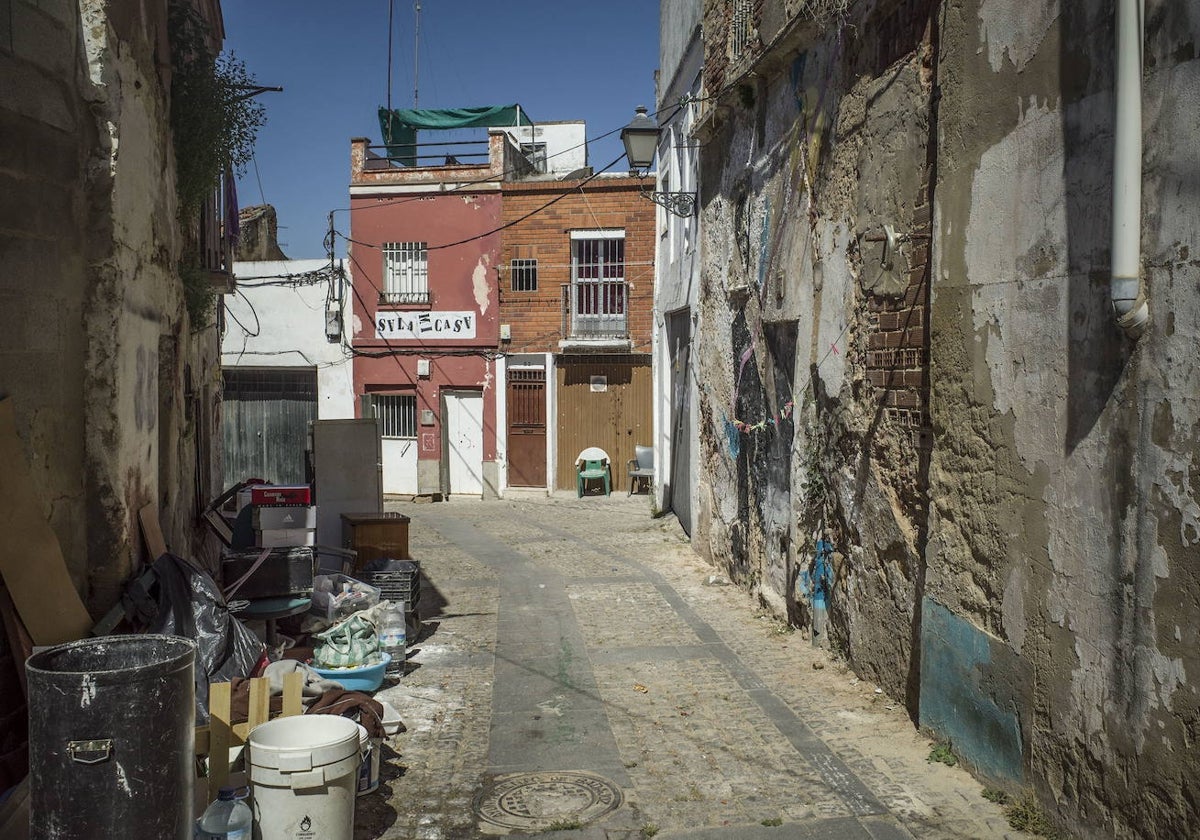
214 124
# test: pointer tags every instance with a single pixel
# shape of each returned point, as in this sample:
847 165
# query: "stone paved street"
578 635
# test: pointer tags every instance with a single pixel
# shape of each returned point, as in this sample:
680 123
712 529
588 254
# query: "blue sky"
570 60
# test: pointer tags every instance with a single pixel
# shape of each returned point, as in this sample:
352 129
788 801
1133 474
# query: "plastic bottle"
229 818
393 637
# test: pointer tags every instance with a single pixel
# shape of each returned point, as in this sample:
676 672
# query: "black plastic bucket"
111 738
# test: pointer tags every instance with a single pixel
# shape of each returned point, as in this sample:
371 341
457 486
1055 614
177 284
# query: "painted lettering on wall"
424 326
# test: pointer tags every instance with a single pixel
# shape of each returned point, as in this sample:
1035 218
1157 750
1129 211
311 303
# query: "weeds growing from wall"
214 122
1026 814
198 295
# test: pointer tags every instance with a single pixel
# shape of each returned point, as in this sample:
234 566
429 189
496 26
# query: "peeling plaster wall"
803 429
1063 527
111 384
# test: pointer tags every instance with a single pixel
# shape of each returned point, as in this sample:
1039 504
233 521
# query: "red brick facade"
535 317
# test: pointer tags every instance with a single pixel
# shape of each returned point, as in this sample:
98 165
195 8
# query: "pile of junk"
226 704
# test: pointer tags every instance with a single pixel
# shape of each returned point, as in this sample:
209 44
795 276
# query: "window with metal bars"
598 290
601 258
523 275
405 273
397 414
741 25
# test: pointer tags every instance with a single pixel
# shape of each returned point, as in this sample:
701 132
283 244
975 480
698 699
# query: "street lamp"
641 142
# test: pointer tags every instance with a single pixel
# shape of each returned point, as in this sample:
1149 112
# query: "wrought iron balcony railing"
595 309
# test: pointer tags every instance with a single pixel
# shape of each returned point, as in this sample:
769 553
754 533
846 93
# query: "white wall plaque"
425 326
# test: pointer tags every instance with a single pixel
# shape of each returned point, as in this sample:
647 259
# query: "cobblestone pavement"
570 634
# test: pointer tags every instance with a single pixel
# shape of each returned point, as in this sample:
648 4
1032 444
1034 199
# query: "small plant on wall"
214 124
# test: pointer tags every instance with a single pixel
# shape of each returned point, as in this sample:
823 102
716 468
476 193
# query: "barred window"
405 272
524 275
741 27
397 414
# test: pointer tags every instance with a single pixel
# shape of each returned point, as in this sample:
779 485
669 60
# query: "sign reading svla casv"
424 326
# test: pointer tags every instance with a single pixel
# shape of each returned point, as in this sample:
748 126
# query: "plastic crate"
396 580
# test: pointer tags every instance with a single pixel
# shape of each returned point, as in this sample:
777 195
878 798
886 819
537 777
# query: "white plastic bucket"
368 771
303 774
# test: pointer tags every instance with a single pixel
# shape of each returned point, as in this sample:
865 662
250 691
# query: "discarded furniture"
641 468
592 464
270 610
216 739
375 536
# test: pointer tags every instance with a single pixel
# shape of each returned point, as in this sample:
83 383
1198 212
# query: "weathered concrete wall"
111 384
1064 521
1008 481
810 352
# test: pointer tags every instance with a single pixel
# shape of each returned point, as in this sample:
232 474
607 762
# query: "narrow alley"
578 670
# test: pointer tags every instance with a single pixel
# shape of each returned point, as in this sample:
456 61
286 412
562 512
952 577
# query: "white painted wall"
566 146
676 264
290 326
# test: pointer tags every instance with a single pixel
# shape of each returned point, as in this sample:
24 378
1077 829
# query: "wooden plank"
260 702
219 737
293 685
152 533
31 559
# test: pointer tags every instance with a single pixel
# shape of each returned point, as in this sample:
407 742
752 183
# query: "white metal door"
464 441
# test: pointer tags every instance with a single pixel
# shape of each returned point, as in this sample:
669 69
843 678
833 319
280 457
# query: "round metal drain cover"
536 800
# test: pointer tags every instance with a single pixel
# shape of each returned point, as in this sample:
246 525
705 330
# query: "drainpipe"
1129 300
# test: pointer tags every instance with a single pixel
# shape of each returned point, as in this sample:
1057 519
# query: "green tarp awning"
399 125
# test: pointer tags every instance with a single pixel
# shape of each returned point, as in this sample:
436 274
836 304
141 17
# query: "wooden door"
527 428
603 401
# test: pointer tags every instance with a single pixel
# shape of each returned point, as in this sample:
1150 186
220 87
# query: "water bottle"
393 637
229 818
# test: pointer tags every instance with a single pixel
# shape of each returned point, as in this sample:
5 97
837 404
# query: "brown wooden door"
603 401
527 428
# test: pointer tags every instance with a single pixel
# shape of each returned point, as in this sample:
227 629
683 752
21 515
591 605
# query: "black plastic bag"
190 604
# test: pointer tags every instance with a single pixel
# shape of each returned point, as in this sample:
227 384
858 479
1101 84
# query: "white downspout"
1128 299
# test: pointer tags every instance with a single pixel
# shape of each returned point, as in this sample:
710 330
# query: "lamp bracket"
682 204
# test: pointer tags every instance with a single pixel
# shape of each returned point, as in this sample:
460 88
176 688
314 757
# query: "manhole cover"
535 800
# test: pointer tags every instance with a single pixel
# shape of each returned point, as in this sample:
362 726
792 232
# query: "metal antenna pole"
391 7
416 62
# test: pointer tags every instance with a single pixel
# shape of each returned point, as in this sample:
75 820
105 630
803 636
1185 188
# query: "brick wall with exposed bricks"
535 317
898 341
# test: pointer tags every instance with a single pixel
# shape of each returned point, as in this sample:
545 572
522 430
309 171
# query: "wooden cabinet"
375 535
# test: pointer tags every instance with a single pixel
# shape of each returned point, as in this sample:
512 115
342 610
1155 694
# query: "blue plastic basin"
367 678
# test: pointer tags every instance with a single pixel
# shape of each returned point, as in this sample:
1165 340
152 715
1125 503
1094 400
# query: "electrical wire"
236 320
504 226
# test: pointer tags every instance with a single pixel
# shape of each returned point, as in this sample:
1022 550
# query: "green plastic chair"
592 464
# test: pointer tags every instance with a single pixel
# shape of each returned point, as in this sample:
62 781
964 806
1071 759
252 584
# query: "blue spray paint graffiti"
798 79
816 584
734 437
764 247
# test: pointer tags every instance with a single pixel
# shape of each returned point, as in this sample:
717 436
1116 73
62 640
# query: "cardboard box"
285 537
281 494
281 518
